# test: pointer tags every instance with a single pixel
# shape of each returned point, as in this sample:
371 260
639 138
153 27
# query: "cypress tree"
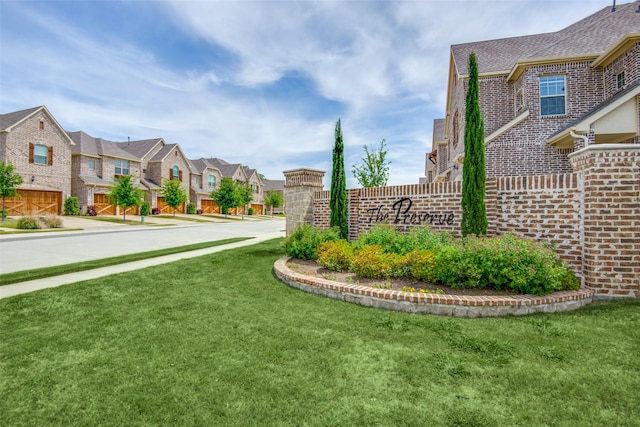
338 201
474 211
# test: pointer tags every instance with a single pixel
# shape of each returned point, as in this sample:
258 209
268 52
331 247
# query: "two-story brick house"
96 165
544 96
40 150
240 173
205 179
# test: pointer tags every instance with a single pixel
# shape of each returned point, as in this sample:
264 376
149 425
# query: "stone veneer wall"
592 216
299 188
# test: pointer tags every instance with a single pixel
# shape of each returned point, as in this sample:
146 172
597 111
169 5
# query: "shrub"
428 239
419 265
28 223
145 208
372 261
251 211
387 237
303 242
71 206
155 211
335 255
92 210
569 281
4 213
191 208
199 211
52 221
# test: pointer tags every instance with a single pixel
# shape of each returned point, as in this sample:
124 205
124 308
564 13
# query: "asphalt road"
30 251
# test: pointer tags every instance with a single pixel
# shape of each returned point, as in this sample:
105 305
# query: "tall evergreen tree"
338 201
474 211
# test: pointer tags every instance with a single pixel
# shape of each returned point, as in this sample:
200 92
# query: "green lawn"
219 341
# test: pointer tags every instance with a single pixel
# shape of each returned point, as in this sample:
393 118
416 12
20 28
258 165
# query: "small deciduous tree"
474 211
338 193
374 169
273 199
244 195
9 180
225 195
173 193
124 194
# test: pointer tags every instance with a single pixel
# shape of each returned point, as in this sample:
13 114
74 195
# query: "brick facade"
591 216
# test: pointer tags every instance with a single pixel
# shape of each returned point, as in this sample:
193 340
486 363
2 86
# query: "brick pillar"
609 175
299 186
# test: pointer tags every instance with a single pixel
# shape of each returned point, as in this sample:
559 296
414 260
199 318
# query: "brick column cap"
319 171
605 147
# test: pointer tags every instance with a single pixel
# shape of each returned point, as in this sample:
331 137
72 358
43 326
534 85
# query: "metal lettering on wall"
401 214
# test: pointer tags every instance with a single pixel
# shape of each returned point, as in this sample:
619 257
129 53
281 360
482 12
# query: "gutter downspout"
583 137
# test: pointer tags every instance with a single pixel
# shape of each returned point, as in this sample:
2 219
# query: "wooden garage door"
34 202
103 205
258 209
209 207
166 209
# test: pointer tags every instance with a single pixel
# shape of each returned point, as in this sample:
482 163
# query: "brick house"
40 150
160 161
96 165
275 185
205 178
544 96
243 174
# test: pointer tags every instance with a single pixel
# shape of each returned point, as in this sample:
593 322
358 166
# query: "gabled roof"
91 146
273 184
11 120
250 172
140 148
227 170
587 38
201 164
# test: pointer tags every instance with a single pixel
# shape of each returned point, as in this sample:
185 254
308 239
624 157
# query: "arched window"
175 173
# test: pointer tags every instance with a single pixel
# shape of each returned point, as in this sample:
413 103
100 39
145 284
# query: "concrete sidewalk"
51 282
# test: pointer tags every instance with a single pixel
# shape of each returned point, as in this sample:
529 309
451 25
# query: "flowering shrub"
155 211
199 211
92 210
419 265
303 243
373 261
335 255
503 263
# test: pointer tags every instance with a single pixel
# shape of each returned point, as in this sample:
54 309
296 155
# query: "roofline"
623 44
519 67
53 119
577 127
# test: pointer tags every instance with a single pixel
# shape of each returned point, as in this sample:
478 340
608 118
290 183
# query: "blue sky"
260 83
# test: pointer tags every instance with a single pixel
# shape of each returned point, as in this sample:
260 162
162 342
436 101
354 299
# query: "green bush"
387 237
145 208
71 206
335 255
191 208
303 243
251 211
28 223
427 239
372 261
419 265
52 221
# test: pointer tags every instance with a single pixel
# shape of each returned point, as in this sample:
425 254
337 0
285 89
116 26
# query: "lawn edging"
445 305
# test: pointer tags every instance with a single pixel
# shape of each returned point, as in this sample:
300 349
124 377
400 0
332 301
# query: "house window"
552 95
41 124
254 188
620 81
195 180
519 99
91 164
41 154
456 130
212 181
175 173
122 167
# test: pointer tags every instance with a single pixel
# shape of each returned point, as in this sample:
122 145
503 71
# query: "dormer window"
552 96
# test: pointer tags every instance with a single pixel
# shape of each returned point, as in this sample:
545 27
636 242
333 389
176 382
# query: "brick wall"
591 216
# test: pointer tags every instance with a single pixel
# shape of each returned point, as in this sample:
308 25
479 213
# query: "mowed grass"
219 341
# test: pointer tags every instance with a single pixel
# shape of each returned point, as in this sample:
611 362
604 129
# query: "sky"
257 82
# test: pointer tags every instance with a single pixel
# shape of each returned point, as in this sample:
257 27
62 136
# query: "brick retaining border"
444 305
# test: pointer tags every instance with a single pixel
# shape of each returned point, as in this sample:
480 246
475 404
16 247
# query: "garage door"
166 209
209 207
103 205
34 202
258 209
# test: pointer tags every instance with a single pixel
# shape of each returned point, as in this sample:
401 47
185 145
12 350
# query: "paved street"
29 251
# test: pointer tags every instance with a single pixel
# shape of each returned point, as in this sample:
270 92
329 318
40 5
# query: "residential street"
29 251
